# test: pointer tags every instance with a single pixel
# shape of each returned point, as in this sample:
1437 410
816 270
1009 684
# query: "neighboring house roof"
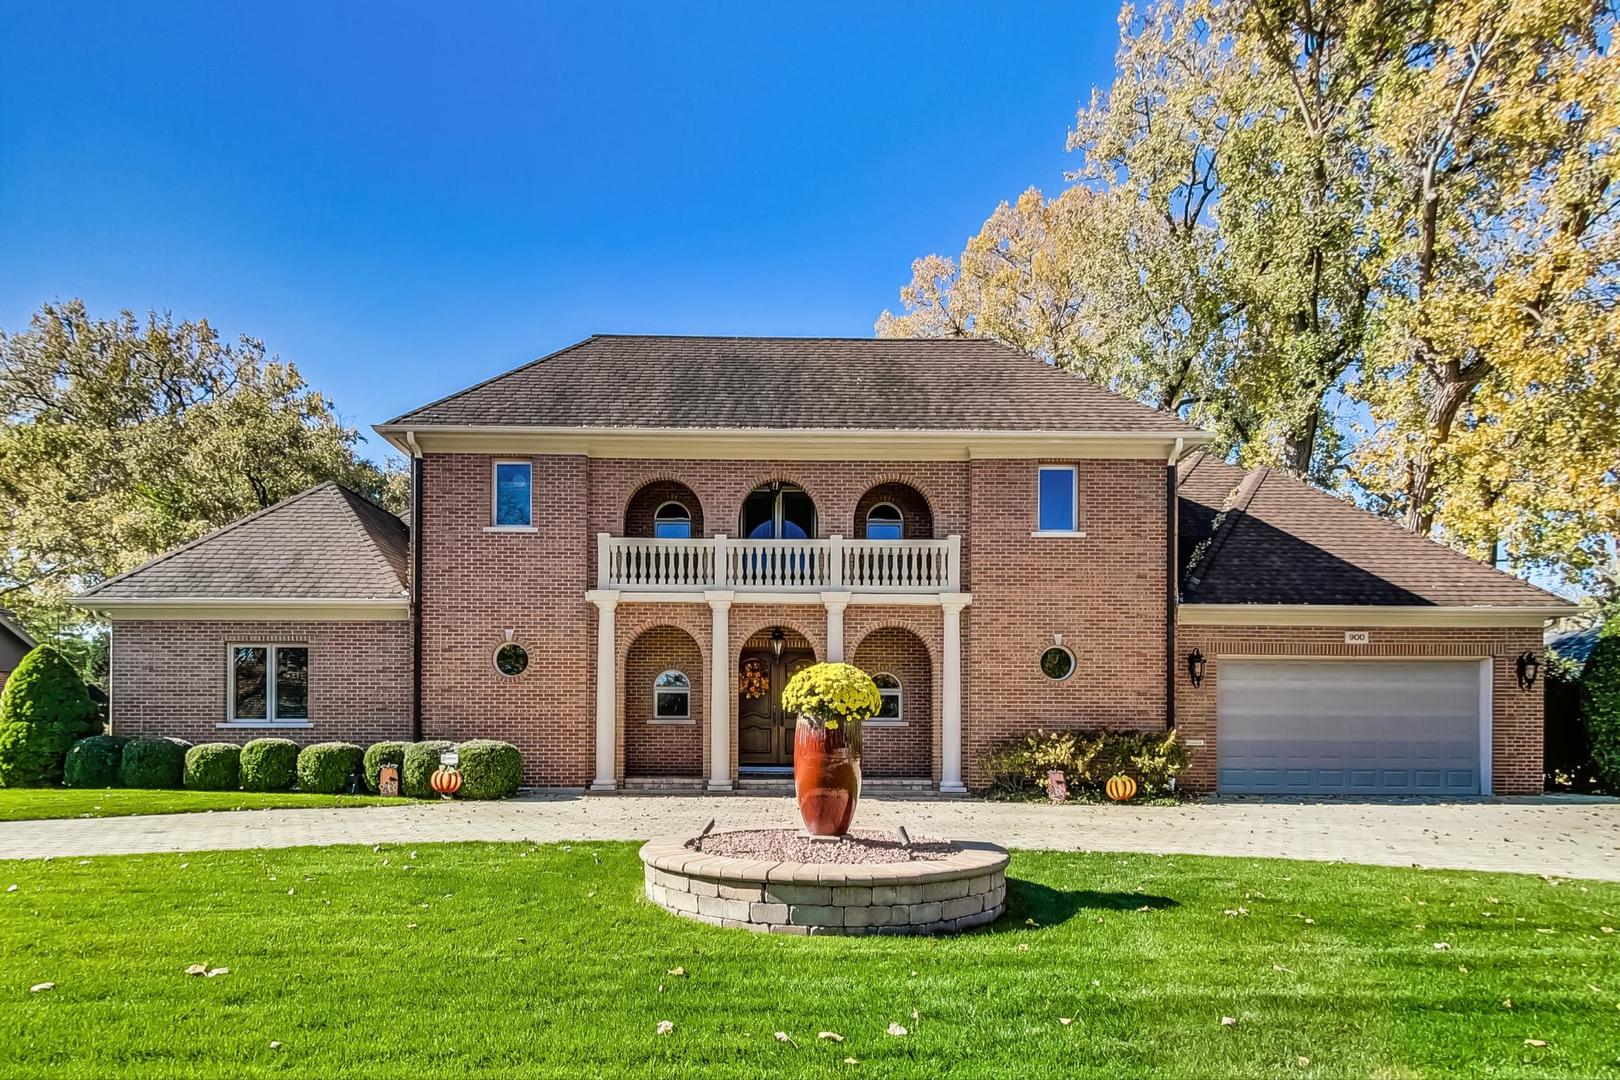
739 383
1576 645
1265 537
10 625
326 543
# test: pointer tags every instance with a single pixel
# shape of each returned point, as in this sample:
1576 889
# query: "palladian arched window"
672 698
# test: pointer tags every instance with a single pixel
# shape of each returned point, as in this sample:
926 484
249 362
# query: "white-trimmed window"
1057 663
891 711
672 521
512 495
672 698
884 522
268 684
1058 500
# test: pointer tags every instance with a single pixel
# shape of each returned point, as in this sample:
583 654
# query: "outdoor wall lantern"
777 641
1528 667
1195 667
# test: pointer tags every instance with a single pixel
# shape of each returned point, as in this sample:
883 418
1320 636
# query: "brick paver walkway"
1561 836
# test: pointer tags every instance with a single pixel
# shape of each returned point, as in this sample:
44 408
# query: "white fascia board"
1370 615
315 609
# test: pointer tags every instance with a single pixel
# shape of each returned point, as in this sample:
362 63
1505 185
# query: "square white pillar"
950 727
835 603
719 691
607 685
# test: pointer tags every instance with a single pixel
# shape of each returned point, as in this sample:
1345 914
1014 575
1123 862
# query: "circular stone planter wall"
940 896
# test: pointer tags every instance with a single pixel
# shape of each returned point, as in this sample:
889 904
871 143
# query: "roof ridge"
221 531
1232 512
349 497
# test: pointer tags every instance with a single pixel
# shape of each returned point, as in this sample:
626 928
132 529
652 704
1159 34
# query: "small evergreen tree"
44 709
1600 703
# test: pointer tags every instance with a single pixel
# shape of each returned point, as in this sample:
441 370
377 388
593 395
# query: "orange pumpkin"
1120 788
446 781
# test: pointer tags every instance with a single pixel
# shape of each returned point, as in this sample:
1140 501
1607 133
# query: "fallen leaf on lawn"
1031 922
11 888
782 1036
676 971
1544 930
830 1036
1441 946
37 987
1145 907
1023 948
289 892
197 969
1234 912
665 1027
1065 1020
1228 1021
211 972
410 926
1605 929
275 1044
1463 968
852 1061
1304 1062
897 1031
1096 982
914 1014
1507 1003
1279 967
1535 1042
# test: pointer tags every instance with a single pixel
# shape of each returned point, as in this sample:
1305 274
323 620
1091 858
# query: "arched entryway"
664 705
769 658
893 511
899 741
778 510
664 508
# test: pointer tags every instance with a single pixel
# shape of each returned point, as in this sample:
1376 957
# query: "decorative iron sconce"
778 640
1195 667
1528 667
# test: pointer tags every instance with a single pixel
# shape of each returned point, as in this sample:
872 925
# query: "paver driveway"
1566 836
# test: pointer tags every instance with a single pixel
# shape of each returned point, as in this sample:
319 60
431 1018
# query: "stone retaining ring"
939 896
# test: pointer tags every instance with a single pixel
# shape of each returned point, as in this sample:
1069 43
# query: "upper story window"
514 495
673 521
269 684
883 522
1059 499
778 511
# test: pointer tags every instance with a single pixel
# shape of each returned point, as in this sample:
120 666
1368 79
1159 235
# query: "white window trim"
691 523
495 660
1074 663
899 695
495 500
898 519
269 720
1074 500
687 690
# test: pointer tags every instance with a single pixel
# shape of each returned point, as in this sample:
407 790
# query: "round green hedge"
269 764
489 769
379 754
153 763
421 759
44 710
325 768
214 766
93 762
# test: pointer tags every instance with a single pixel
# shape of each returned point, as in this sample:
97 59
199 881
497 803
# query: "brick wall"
170 677
642 509
906 750
1516 722
665 749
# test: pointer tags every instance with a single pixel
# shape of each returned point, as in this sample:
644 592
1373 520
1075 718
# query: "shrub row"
1087 760
490 769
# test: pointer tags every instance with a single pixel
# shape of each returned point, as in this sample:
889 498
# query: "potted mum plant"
832 701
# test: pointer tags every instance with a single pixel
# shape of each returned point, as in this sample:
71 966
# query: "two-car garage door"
1373 727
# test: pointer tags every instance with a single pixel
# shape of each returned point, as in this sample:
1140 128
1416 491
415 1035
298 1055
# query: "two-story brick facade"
618 554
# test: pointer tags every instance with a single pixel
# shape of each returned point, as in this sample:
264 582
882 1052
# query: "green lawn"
506 959
24 804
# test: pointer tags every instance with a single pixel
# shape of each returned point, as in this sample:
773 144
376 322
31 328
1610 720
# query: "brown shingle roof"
1265 537
909 384
326 543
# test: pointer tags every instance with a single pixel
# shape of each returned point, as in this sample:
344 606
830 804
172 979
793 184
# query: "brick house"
619 553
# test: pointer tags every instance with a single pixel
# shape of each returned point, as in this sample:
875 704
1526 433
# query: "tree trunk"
1452 387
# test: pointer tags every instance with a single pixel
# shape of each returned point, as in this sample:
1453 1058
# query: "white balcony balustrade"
836 564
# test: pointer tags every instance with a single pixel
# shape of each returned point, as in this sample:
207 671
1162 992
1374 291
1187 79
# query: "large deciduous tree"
124 438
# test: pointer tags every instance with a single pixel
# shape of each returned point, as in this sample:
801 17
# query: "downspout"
416 586
1172 588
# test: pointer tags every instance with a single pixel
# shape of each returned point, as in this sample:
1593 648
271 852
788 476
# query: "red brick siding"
643 507
170 677
1516 719
906 750
662 749
917 519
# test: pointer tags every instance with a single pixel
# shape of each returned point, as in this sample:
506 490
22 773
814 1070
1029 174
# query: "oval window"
1057 663
511 659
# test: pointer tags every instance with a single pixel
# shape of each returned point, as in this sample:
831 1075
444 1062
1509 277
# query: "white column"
607 734
720 698
835 602
950 728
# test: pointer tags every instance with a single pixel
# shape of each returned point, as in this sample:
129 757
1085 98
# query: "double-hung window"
514 495
1058 497
269 684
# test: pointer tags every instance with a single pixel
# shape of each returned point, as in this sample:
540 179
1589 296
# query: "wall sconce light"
1528 667
778 640
1195 667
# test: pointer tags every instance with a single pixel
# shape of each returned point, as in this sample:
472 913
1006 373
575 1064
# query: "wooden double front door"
764 730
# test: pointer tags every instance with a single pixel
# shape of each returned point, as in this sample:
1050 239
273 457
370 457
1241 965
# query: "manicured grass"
506 959
25 804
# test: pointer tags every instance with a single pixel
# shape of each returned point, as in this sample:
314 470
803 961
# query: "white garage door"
1374 727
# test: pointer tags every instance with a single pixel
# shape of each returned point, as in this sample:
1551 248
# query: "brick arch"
864 628
916 511
746 627
906 750
645 498
649 749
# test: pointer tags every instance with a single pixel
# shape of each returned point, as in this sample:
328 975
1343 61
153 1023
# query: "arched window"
778 511
672 521
889 690
672 698
883 522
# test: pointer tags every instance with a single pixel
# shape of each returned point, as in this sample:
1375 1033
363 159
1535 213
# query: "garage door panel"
1364 727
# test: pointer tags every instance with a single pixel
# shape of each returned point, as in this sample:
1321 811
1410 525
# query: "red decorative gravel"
787 845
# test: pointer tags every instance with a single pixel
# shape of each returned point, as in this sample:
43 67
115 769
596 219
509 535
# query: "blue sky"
407 198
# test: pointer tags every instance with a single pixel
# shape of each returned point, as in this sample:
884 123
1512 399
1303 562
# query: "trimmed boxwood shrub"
214 766
153 763
489 769
44 710
325 768
379 754
269 764
420 761
93 762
